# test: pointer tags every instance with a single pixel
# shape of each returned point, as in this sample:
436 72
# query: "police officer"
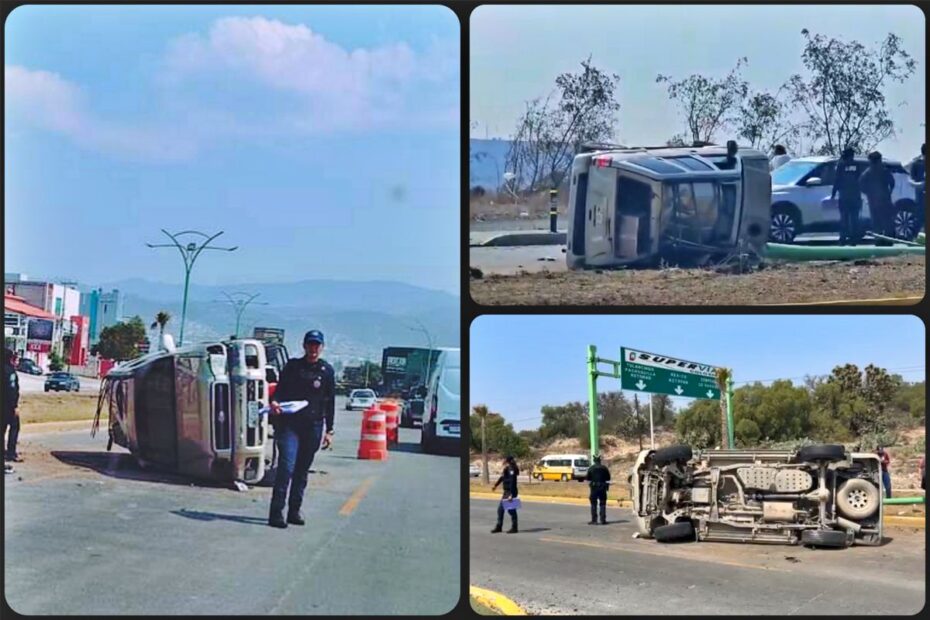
876 183
919 176
10 406
846 184
298 435
508 479
598 479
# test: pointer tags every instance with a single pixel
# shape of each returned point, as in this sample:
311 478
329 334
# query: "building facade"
102 310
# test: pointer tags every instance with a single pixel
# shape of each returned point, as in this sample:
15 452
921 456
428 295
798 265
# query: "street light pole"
429 340
239 302
189 254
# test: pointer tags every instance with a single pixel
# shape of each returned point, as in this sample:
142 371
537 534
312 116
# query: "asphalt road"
91 533
36 383
558 564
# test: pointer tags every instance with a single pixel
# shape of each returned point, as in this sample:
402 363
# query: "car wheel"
825 538
828 452
674 531
906 221
672 454
46 388
785 224
857 499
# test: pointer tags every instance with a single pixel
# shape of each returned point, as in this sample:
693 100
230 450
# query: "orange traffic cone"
392 420
373 442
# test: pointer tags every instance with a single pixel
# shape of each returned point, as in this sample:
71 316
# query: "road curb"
890 520
551 499
40 425
496 601
522 238
886 301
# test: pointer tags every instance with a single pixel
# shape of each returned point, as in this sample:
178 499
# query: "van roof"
565 456
676 151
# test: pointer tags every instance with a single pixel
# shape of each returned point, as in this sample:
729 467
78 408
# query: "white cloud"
49 101
336 88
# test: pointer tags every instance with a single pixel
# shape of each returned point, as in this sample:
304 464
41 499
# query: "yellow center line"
352 503
661 554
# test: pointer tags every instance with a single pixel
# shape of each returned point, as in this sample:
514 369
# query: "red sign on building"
38 346
79 341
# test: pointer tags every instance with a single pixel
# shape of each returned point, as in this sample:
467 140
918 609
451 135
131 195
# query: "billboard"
39 334
405 367
269 334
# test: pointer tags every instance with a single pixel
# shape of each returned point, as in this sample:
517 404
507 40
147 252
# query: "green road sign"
660 374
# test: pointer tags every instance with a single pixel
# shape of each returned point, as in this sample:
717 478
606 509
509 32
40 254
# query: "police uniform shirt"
598 476
508 480
313 382
10 387
846 182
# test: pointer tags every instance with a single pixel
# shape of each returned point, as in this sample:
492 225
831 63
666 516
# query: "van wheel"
785 224
825 538
671 454
674 531
857 499
564 478
827 452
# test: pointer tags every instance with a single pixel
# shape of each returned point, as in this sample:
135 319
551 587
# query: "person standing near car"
298 435
10 406
885 459
846 184
598 480
780 157
876 183
508 479
918 173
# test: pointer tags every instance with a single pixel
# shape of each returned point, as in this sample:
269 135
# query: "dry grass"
56 407
503 207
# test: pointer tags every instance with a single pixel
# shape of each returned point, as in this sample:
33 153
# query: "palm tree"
161 319
723 377
482 412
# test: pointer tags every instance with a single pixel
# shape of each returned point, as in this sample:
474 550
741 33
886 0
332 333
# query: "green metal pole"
187 277
592 399
730 438
904 500
238 317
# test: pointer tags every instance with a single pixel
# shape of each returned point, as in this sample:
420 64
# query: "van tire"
427 435
857 499
564 478
674 531
824 538
785 223
826 452
672 454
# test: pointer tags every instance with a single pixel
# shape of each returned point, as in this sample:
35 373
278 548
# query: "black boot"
276 519
497 529
295 518
513 529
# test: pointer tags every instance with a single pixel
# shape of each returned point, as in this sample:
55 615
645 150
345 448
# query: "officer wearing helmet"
298 435
598 479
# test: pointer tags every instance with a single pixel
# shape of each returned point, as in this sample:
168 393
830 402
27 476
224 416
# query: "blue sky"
516 53
519 363
324 141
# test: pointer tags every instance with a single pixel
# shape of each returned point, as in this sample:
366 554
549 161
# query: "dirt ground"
57 407
503 207
778 283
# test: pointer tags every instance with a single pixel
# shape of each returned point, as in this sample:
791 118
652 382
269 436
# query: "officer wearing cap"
298 435
598 479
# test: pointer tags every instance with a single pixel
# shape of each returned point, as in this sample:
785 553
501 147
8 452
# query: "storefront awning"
18 305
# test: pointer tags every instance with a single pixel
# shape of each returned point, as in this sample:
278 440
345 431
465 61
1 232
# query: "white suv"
799 190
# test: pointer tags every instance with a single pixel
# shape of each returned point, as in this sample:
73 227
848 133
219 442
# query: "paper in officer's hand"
511 504
289 406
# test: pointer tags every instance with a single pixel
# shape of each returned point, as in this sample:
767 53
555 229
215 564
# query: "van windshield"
363 394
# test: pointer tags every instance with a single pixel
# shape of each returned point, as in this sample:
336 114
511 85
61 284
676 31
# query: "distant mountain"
486 162
359 319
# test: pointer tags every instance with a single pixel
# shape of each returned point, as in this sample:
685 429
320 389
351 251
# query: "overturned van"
634 206
195 410
819 495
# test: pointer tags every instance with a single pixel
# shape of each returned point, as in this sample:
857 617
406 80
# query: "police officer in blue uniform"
299 435
10 406
846 184
508 478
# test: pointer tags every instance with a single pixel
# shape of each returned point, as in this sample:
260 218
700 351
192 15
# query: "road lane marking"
663 554
496 601
353 501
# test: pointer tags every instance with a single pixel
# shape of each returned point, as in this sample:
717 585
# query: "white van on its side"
442 417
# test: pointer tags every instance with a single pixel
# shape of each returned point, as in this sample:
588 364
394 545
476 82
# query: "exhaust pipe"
849 525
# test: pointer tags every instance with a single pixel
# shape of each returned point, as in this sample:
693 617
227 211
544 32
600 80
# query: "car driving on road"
801 189
442 418
360 399
29 367
59 381
819 495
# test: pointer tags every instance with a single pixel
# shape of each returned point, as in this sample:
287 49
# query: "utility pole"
189 254
429 340
239 301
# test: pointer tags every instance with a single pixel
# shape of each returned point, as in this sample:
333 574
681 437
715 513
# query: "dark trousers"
500 516
849 223
886 482
598 499
297 441
11 422
882 215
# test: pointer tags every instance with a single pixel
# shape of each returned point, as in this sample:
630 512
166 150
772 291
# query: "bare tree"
581 108
707 103
842 97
